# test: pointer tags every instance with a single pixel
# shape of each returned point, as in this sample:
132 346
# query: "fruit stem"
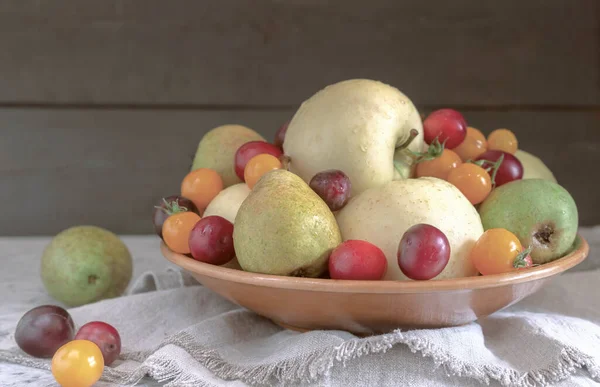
285 162
398 166
411 136
495 165
172 207
434 151
495 168
520 261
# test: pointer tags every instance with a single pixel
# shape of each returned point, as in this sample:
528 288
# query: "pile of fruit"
81 265
359 186
78 359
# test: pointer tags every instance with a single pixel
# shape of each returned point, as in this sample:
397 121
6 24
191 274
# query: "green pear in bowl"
541 213
365 128
284 228
217 148
381 215
534 167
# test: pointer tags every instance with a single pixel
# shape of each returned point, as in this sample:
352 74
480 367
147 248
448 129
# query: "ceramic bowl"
372 307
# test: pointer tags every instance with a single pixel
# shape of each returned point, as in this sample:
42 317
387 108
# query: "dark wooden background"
102 103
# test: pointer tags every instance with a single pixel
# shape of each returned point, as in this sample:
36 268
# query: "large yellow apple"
359 126
381 215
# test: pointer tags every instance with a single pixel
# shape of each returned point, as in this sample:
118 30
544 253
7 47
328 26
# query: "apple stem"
519 261
411 136
172 207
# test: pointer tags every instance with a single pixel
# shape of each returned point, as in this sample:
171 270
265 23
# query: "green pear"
284 228
533 167
85 264
227 203
217 150
382 215
365 128
541 213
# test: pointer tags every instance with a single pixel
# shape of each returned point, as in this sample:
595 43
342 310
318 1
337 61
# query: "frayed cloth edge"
319 364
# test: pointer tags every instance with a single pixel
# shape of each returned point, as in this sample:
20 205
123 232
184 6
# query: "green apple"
85 264
217 150
533 167
365 128
381 215
541 213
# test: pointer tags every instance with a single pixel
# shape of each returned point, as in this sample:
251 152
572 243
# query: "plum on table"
105 336
44 329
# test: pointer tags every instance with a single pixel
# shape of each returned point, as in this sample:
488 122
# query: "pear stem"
411 136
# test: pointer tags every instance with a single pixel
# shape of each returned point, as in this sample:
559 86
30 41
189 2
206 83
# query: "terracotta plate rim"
576 256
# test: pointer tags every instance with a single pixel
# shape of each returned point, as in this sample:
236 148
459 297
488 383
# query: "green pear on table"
533 167
362 127
382 215
217 148
85 264
284 228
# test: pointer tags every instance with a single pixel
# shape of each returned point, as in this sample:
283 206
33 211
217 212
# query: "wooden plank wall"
103 102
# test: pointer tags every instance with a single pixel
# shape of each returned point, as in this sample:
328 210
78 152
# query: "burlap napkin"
179 332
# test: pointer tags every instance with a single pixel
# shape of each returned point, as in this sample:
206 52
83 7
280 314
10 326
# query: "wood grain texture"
60 168
108 168
276 53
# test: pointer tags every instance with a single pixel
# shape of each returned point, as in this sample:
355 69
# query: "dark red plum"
509 169
43 330
333 186
424 252
105 336
211 240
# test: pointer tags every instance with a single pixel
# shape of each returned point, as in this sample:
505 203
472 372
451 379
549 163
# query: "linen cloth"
178 333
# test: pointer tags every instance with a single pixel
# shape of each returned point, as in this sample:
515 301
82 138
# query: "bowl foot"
305 330
291 327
